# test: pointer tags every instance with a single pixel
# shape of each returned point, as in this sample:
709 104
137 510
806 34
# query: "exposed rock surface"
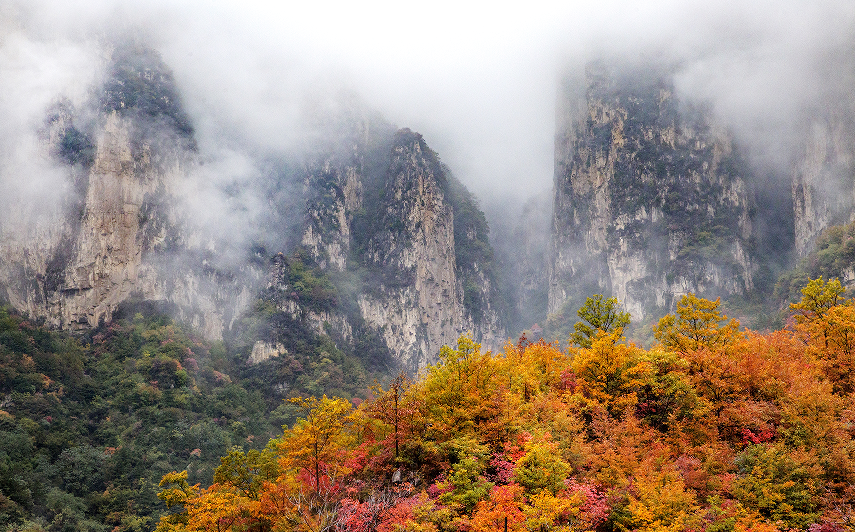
262 351
650 201
824 179
390 244
385 211
417 301
117 233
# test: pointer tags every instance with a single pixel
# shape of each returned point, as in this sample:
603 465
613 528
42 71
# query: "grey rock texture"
650 200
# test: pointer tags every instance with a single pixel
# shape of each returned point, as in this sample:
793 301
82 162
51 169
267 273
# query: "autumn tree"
660 501
318 442
611 371
535 368
501 511
697 323
818 296
175 493
598 314
461 394
826 321
391 407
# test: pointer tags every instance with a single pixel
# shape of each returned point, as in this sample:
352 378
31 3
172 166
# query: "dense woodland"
712 428
88 426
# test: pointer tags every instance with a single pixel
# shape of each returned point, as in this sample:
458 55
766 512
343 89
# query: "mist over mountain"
259 98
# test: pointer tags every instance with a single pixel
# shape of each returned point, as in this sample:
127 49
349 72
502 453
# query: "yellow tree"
827 323
175 493
318 443
698 323
839 355
217 509
611 371
461 394
818 297
660 502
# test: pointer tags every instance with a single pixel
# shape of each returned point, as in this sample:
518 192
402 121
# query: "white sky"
477 80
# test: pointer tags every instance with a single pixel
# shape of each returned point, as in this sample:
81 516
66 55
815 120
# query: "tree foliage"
714 429
697 323
599 314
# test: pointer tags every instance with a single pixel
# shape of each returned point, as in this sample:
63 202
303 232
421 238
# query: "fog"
479 84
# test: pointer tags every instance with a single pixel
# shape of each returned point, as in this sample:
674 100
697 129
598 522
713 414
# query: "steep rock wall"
382 212
649 202
404 242
823 183
116 235
418 300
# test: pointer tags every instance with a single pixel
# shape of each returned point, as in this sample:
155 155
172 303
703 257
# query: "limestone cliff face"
417 299
649 201
112 237
383 210
350 159
824 180
388 243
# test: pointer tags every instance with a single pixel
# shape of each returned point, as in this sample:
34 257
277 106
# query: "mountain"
655 197
651 199
117 232
363 234
823 184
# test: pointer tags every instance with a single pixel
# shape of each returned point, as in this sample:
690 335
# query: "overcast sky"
479 82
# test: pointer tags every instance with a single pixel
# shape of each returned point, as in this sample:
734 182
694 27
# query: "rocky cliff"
391 248
823 183
419 300
115 233
650 196
408 238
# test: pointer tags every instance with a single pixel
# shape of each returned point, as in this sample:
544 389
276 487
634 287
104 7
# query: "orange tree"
611 372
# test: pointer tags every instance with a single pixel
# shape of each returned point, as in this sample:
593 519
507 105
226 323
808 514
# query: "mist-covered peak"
140 85
339 123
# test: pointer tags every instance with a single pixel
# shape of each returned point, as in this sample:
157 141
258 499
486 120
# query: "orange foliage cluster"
713 429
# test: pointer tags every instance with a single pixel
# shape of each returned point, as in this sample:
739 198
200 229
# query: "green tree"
247 471
599 314
780 488
817 298
541 468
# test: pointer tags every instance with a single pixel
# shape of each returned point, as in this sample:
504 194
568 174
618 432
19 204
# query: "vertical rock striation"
649 200
119 228
408 238
823 184
390 245
417 298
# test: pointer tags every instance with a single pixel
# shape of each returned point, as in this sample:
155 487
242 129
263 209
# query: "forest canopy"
714 428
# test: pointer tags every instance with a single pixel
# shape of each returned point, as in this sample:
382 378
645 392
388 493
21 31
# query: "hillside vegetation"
88 426
712 429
